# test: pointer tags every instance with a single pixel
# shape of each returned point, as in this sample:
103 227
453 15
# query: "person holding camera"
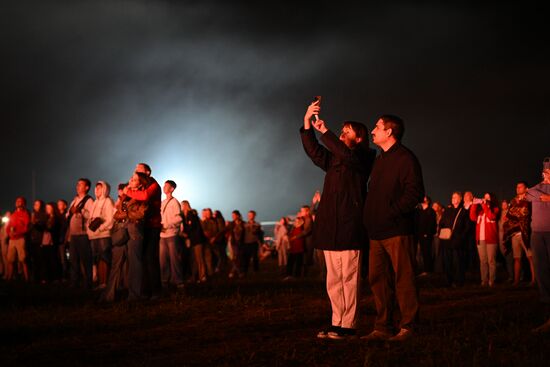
485 213
338 230
99 232
539 196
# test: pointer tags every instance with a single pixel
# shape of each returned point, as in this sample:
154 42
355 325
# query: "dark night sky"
212 95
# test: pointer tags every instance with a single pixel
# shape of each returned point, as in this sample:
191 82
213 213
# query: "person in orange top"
17 229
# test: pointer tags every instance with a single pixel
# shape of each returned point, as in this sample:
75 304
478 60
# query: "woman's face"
487 196
98 191
504 205
436 207
36 206
134 182
49 209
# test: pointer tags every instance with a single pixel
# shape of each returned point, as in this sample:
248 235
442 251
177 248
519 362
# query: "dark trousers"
294 264
117 273
540 246
152 285
49 268
249 251
392 278
453 260
135 261
80 252
426 250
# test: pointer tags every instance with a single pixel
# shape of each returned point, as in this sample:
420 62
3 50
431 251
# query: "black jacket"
425 222
338 220
460 232
395 189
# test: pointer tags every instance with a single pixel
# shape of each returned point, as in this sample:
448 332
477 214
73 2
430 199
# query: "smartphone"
317 99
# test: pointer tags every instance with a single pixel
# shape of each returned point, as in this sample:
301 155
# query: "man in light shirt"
170 249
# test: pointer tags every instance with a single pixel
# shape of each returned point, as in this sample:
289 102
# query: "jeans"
116 276
135 261
487 262
80 252
170 260
540 247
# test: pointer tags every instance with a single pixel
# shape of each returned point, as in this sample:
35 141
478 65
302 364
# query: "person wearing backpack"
80 248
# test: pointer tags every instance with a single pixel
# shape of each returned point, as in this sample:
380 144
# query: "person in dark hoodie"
395 189
338 230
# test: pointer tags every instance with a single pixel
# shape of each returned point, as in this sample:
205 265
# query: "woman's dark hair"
219 215
143 179
359 128
42 205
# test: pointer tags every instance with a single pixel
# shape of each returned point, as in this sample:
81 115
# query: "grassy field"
262 321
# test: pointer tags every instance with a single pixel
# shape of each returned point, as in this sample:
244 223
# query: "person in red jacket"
17 229
485 213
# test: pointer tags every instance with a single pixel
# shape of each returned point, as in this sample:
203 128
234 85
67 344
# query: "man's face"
141 168
206 214
82 188
19 203
487 197
234 216
36 206
521 189
455 200
167 188
546 176
251 216
349 137
468 197
303 212
379 134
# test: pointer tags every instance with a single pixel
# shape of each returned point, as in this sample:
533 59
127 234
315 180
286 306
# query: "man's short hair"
458 193
86 181
524 183
21 198
361 131
252 211
171 183
147 167
396 125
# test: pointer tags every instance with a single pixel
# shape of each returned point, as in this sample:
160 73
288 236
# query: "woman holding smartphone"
485 213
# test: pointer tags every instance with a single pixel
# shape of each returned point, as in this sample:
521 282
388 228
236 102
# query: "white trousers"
343 272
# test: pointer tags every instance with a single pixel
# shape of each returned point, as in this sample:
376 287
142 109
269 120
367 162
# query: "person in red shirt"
485 213
17 229
296 249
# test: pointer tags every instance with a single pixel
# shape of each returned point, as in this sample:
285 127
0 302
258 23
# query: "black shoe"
323 334
343 333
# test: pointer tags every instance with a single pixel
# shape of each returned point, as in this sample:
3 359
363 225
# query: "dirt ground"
263 321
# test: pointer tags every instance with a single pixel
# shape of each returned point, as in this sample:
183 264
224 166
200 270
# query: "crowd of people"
371 217
131 247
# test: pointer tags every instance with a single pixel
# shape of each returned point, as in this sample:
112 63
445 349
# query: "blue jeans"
80 253
170 260
540 247
135 261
